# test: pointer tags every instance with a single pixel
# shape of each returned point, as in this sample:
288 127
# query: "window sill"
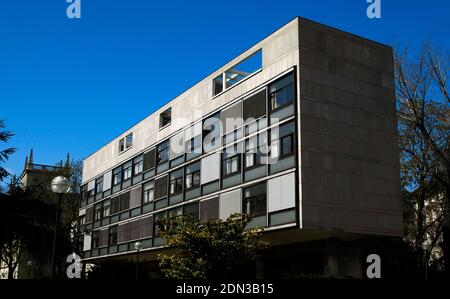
166 126
126 150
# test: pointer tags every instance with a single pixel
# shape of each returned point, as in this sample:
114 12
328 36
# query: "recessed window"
211 133
281 93
127 171
165 118
117 176
176 182
106 208
113 235
237 73
95 239
125 143
149 192
98 212
254 203
138 165
99 185
192 179
163 152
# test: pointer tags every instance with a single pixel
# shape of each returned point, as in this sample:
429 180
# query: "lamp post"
60 185
138 247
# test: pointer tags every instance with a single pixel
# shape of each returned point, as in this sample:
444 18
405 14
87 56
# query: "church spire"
67 160
30 161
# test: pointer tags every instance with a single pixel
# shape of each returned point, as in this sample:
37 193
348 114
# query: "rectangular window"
96 239
117 176
256 150
192 179
231 163
163 152
156 222
126 171
165 118
191 210
211 133
218 84
124 201
106 208
281 92
115 205
82 220
255 106
125 143
282 140
176 186
99 185
98 212
149 160
254 203
112 235
242 70
161 187
149 192
176 182
138 165
286 145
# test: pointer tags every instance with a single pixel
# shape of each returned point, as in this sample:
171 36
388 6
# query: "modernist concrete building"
312 155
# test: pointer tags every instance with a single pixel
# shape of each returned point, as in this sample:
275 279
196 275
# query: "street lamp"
138 247
60 185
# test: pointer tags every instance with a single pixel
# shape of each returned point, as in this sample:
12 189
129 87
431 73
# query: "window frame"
163 117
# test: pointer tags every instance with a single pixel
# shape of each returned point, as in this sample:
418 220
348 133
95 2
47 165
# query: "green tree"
5 153
208 249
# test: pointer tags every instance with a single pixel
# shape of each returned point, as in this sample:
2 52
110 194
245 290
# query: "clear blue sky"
73 85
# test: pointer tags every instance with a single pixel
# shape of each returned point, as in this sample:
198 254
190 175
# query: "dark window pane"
255 106
161 187
165 118
149 160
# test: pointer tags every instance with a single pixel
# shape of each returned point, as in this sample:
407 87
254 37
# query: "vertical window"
95 239
218 84
126 171
254 203
124 201
98 212
255 150
112 235
82 220
117 176
149 160
281 92
99 185
138 165
192 179
163 152
129 141
125 143
282 140
211 133
157 220
287 145
161 187
231 161
176 182
165 118
149 192
115 205
106 208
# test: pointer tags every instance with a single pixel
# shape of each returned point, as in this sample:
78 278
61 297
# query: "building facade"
299 131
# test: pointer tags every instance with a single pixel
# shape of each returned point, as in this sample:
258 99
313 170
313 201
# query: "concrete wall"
348 141
280 52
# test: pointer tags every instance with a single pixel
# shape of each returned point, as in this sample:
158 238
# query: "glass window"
127 171
163 152
281 93
218 84
82 220
231 160
255 150
287 145
129 141
138 165
99 185
112 235
98 212
156 220
165 118
211 133
117 176
149 192
245 68
176 182
254 203
95 239
191 210
121 145
106 208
